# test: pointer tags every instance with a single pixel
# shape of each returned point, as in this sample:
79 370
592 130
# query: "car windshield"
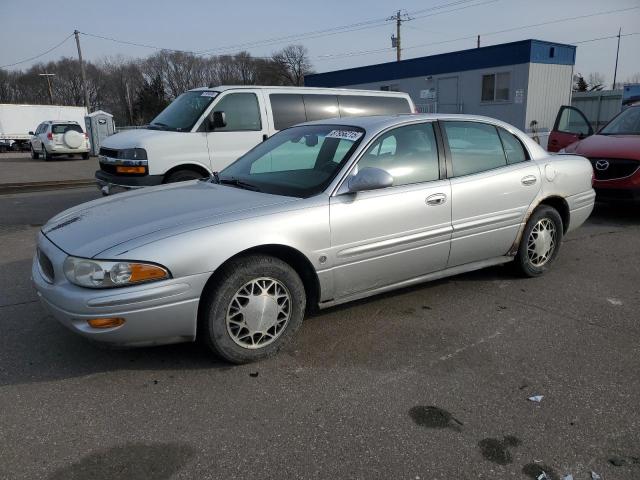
296 162
182 114
626 123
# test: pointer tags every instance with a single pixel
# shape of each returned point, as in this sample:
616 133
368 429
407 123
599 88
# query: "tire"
35 155
182 176
238 337
45 155
537 253
85 156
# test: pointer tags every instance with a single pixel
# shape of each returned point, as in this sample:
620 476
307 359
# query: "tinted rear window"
64 128
358 106
288 109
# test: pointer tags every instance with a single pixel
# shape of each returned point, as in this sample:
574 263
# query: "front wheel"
183 176
540 242
253 309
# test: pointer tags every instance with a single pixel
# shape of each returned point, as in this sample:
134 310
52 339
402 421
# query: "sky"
258 27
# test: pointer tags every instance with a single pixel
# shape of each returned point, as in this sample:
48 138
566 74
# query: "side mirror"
217 120
31 133
370 178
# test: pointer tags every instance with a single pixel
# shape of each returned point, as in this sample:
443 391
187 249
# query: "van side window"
242 112
319 107
288 109
360 105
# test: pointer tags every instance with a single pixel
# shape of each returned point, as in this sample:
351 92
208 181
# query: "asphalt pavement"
430 382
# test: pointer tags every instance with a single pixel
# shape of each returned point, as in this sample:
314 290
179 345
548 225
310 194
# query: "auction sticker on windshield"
209 94
351 135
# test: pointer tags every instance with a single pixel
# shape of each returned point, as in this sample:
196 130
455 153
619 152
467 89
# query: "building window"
496 87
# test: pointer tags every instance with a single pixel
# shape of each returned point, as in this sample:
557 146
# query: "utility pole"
48 76
478 41
84 78
615 72
399 17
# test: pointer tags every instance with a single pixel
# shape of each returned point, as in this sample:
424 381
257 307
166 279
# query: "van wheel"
253 310
182 176
540 242
35 155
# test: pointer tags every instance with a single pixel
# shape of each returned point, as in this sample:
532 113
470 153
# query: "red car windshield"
626 123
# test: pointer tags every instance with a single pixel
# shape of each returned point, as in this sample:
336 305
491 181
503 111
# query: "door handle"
529 180
436 199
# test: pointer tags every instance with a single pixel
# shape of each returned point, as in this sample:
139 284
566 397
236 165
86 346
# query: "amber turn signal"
121 169
141 272
105 322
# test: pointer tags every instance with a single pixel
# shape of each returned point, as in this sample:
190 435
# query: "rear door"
246 126
571 125
493 183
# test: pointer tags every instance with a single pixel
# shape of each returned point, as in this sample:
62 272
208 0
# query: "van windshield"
182 114
296 162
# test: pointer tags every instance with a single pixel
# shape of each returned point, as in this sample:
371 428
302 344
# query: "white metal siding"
549 89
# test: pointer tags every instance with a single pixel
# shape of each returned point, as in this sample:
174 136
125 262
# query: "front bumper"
109 183
155 313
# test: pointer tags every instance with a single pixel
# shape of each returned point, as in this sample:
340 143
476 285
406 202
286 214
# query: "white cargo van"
205 129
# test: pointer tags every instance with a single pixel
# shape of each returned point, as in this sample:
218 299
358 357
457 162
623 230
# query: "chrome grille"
46 267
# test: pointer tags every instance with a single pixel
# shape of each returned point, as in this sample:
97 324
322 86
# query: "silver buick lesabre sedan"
319 214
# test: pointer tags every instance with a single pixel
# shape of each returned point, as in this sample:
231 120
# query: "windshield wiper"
237 183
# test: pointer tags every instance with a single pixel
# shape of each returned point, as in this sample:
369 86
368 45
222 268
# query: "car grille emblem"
602 165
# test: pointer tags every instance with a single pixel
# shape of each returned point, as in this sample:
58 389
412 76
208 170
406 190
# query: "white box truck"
17 120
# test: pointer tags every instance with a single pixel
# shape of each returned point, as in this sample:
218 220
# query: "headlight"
85 272
132 154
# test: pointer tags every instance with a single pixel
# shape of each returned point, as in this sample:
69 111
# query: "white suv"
59 137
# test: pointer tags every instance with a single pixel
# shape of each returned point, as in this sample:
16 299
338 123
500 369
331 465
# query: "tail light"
86 135
50 136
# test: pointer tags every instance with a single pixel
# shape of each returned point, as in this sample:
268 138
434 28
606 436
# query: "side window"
409 154
288 110
242 112
571 121
360 105
319 107
475 147
513 148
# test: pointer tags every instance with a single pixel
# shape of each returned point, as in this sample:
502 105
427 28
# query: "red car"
614 151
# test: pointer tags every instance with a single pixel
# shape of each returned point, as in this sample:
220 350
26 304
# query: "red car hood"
608 146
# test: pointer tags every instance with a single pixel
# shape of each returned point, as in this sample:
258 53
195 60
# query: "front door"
571 125
386 236
493 183
246 126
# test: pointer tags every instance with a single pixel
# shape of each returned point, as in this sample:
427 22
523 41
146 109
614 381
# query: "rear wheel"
183 176
254 308
45 155
85 156
35 155
540 242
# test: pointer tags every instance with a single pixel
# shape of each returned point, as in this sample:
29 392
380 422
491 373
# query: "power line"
468 37
134 44
606 38
39 55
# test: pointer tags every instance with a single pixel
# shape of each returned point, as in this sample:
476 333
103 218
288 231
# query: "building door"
448 95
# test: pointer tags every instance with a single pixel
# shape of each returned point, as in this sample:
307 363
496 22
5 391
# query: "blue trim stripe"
524 51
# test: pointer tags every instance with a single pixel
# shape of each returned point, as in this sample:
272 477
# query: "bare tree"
596 81
292 64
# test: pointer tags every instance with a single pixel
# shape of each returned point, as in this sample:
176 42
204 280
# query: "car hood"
608 146
91 228
138 138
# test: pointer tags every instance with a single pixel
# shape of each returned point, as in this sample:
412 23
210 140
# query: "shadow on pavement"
129 461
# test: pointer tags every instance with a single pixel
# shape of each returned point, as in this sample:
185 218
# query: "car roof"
379 122
62 121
